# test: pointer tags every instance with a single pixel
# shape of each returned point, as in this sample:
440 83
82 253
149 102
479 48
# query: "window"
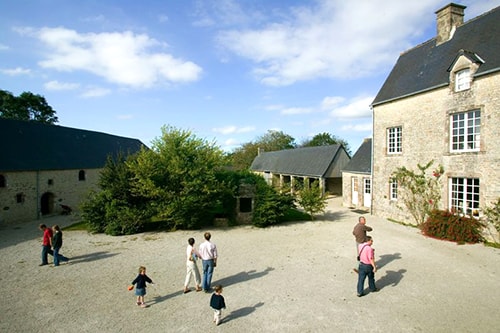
81 175
394 135
466 131
393 189
50 182
462 80
20 197
465 195
3 183
245 205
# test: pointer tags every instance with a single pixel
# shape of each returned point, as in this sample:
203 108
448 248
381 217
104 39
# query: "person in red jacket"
46 244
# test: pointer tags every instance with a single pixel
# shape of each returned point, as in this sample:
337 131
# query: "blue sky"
226 70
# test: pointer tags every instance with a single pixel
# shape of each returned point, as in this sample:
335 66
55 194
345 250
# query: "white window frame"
394 140
462 79
393 190
464 195
465 131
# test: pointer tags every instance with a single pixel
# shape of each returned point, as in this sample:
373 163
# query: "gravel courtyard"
296 277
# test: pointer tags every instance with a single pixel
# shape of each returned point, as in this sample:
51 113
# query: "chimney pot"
448 19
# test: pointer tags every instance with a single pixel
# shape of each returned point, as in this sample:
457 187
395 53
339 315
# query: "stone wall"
425 122
22 198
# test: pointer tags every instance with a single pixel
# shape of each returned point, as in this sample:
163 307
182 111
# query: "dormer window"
462 80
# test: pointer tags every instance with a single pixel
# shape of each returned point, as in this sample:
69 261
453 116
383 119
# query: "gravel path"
291 278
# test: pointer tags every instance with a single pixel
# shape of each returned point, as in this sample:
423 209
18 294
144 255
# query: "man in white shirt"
208 253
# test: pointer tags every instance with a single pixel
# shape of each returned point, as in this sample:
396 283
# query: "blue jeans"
58 257
45 251
208 270
365 271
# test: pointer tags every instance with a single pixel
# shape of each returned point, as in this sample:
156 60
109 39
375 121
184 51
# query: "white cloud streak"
15 71
334 39
56 85
123 58
233 129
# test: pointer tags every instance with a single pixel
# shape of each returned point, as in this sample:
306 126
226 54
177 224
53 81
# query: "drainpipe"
38 194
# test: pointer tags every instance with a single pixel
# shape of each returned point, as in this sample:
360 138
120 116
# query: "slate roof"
307 161
361 162
30 146
425 67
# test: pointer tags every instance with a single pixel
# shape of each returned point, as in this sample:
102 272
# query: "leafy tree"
26 106
243 157
115 210
326 139
419 192
270 205
492 215
179 176
311 199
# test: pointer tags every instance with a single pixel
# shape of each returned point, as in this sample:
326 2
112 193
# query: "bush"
446 225
270 205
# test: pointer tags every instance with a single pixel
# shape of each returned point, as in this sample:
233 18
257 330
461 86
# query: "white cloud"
15 71
56 85
233 129
123 58
334 39
95 92
358 107
163 18
357 128
295 111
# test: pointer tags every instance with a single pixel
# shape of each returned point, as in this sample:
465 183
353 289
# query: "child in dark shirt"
217 303
140 289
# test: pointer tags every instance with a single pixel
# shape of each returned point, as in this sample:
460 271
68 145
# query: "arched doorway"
47 203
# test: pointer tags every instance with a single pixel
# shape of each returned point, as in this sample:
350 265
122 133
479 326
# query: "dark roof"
426 66
307 161
361 162
30 145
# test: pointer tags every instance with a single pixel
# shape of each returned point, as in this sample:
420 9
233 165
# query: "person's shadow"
391 278
242 312
387 258
242 277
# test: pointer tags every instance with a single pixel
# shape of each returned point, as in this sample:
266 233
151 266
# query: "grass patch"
292 215
402 223
491 244
81 226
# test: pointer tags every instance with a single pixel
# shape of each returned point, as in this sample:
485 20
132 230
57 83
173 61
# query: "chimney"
448 19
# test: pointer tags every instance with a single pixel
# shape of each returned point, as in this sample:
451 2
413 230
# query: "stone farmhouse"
49 169
357 178
303 166
441 102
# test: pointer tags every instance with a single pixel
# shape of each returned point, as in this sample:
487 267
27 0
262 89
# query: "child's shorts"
140 291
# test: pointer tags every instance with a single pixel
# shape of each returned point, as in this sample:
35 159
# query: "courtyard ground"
295 277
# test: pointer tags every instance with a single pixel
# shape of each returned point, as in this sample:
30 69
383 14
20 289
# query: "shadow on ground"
242 312
242 277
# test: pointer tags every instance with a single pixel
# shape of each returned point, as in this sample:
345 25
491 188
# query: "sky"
226 70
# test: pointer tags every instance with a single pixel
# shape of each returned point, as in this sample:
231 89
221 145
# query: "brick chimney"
448 19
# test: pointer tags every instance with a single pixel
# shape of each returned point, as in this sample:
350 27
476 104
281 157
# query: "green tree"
115 210
179 176
419 192
26 106
326 139
492 216
243 157
311 199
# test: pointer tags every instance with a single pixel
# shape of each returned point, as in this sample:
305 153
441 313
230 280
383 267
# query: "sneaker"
139 303
143 305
